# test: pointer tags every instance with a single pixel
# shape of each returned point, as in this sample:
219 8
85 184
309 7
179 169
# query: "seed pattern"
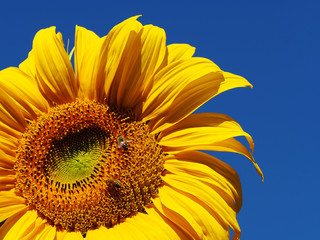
70 169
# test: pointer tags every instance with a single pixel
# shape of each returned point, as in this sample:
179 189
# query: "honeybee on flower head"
113 182
122 142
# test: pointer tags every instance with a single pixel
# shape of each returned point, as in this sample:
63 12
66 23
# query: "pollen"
83 165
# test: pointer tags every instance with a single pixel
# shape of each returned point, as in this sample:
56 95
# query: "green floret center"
76 156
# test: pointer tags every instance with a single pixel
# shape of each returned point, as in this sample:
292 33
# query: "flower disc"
83 165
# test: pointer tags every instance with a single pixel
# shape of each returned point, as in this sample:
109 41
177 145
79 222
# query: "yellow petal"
6 172
6 161
35 229
153 225
171 80
206 192
233 81
128 45
8 211
192 96
207 131
178 52
10 204
69 236
65 235
28 66
110 55
18 225
100 233
87 50
228 145
189 215
128 231
48 233
168 227
24 91
8 144
197 129
54 72
142 60
10 114
224 173
4 128
7 183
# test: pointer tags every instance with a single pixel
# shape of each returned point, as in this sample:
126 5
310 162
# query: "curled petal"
207 131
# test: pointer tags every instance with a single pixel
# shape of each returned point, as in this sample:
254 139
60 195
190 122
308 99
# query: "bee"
113 183
122 142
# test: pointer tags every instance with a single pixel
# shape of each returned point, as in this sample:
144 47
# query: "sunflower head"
108 148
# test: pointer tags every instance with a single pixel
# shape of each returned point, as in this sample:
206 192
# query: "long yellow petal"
197 129
6 172
206 193
54 72
87 50
171 80
192 96
18 225
10 204
208 176
10 222
8 144
232 180
4 128
190 215
110 55
35 229
7 183
24 91
207 131
147 56
6 161
10 114
228 145
129 66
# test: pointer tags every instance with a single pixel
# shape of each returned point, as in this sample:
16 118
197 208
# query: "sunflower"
109 149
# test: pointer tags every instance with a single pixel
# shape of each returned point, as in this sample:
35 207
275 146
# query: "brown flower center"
83 165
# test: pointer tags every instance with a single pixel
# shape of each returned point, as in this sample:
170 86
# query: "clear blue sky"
274 44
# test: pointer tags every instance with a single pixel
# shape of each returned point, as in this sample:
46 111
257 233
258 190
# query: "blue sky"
274 44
